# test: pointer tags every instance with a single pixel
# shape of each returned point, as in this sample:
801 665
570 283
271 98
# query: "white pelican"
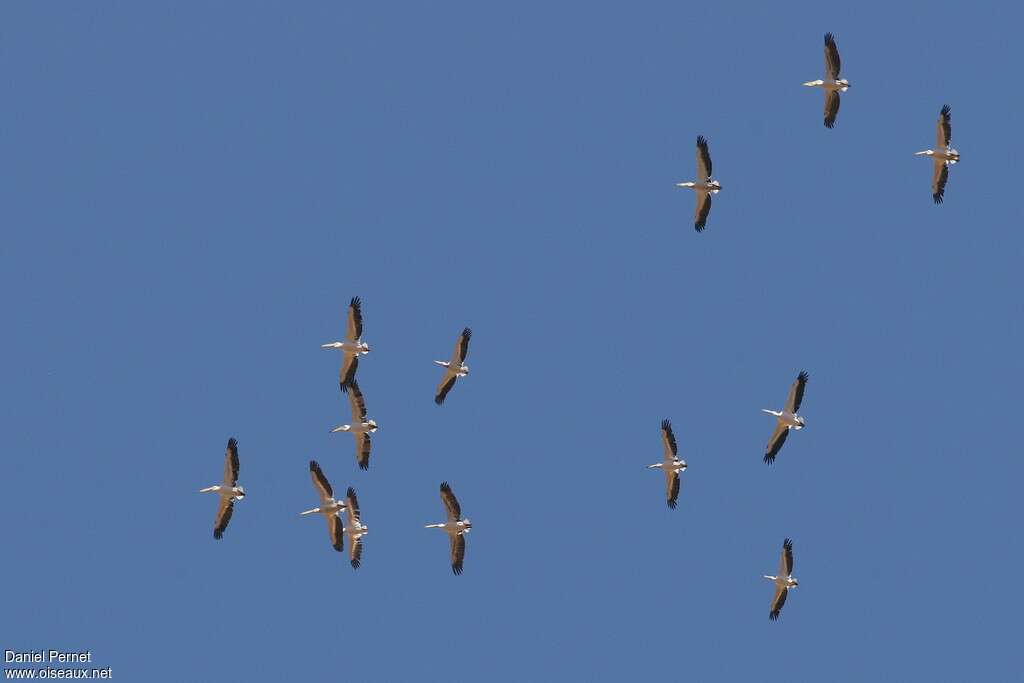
704 185
943 157
229 491
786 418
456 527
353 346
361 428
671 464
329 507
832 84
354 529
784 581
454 368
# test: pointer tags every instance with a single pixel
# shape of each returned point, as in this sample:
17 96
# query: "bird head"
795 583
466 524
365 347
373 425
845 83
465 369
801 420
239 492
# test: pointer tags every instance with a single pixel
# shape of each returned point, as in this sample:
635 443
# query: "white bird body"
450 527
229 491
704 186
832 85
361 428
784 581
456 527
352 346
454 368
943 156
787 418
329 507
671 464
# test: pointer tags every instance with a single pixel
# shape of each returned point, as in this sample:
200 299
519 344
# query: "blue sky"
192 193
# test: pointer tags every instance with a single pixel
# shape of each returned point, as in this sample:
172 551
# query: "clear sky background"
190 194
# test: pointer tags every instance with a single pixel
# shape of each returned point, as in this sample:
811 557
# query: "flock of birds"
832 85
343 516
338 526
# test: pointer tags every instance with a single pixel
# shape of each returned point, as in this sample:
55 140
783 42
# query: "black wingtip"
313 466
773 616
672 504
356 302
699 227
218 534
439 400
702 141
803 376
937 198
666 424
232 442
829 38
466 332
339 547
364 466
351 493
457 570
945 110
355 564
445 487
787 544
769 458
830 124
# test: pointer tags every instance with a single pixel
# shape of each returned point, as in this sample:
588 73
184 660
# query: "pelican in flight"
361 428
784 581
229 491
454 368
786 418
704 186
456 527
670 464
353 346
943 157
354 528
329 507
832 84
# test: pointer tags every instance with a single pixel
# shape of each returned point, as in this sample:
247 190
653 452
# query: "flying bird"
943 156
454 368
784 581
229 491
353 346
329 507
670 464
786 418
361 428
354 528
456 527
704 186
832 84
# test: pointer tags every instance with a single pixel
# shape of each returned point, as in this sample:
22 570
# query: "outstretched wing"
778 600
347 374
775 443
701 211
796 393
458 548
786 559
672 485
336 530
224 512
357 403
703 160
943 129
353 504
668 440
832 61
363 446
354 329
355 552
231 463
940 174
320 483
447 382
451 503
831 108
461 348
